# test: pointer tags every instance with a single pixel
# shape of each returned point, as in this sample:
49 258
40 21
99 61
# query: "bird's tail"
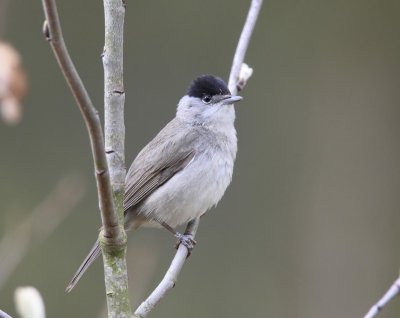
92 256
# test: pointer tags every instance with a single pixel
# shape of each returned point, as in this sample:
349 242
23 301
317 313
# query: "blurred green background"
310 225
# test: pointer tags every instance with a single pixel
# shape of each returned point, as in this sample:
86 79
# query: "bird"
184 171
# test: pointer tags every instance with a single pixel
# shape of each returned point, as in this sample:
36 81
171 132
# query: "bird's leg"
185 239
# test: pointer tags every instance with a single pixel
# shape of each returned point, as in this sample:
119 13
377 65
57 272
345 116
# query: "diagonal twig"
393 291
242 46
53 33
4 314
170 276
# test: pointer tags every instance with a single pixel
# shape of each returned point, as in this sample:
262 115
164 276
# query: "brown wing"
153 179
168 153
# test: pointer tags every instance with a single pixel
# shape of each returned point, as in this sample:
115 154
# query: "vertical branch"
115 268
243 44
114 95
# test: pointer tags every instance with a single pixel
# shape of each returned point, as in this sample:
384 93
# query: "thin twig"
4 315
243 44
171 275
173 271
115 269
53 33
39 224
393 291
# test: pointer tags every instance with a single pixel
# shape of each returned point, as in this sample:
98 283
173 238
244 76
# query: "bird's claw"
187 241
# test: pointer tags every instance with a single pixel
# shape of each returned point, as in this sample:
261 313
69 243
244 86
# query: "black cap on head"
208 85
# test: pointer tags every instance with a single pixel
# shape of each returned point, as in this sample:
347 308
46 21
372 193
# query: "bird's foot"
187 241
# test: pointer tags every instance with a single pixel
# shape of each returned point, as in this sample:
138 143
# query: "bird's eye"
206 99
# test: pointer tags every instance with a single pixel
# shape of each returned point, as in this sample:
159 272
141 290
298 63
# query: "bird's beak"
229 100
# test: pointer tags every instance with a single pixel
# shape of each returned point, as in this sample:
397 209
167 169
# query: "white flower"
29 302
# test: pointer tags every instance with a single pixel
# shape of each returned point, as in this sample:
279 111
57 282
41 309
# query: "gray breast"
198 187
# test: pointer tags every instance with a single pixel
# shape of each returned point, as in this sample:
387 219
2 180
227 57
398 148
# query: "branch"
115 269
235 82
39 224
393 291
171 275
53 33
142 260
114 95
4 315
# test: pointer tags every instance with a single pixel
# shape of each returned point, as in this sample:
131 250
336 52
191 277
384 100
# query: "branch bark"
237 80
115 268
114 95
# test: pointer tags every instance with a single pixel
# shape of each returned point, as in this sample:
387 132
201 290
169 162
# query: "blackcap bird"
186 168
